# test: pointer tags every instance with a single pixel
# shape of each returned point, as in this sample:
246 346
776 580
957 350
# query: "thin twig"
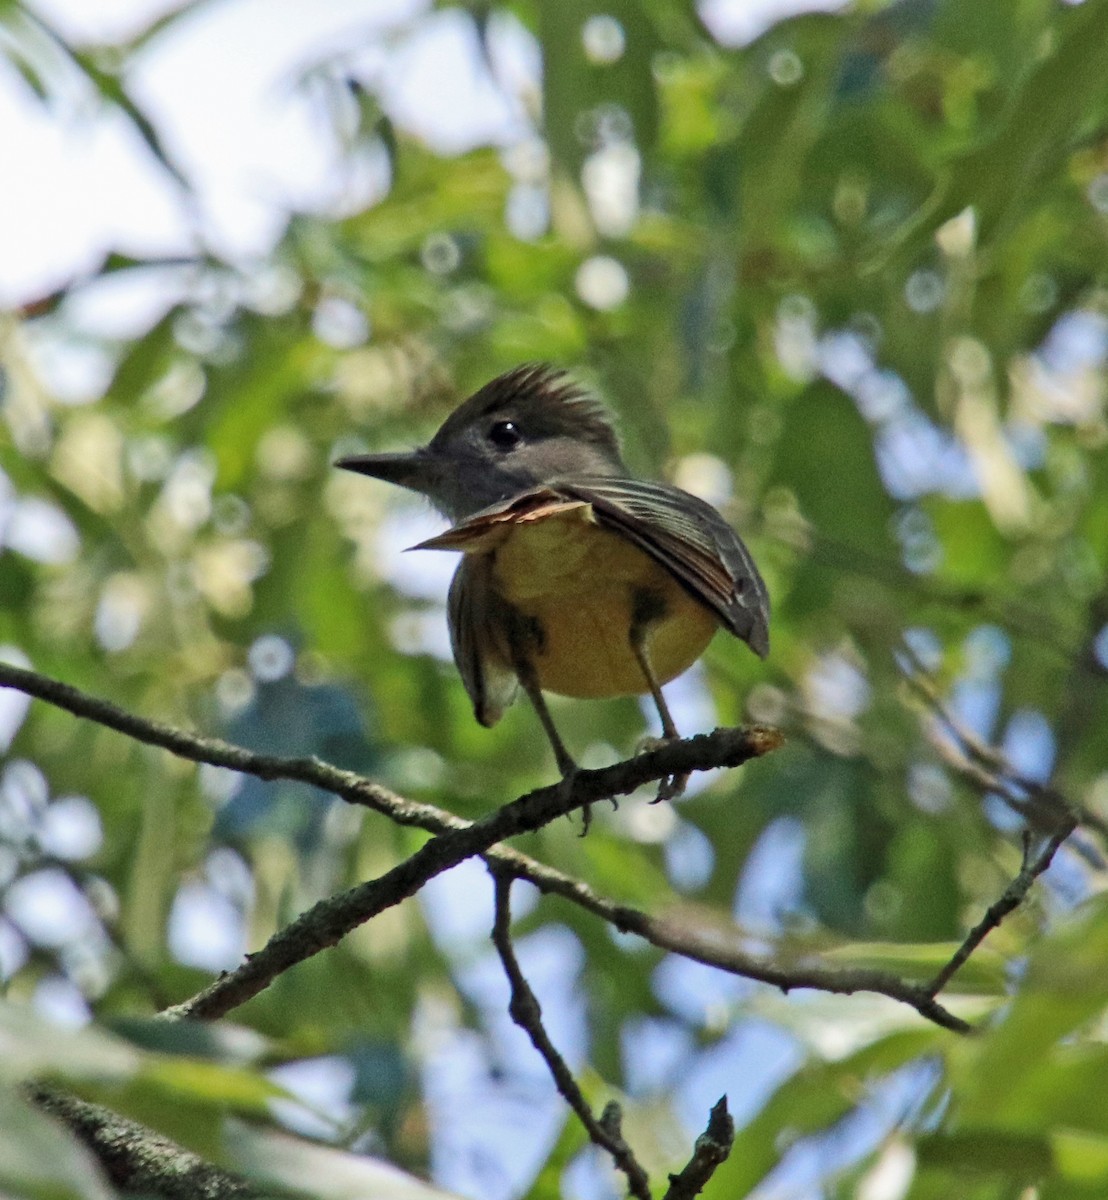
1012 898
525 1010
719 947
712 1148
988 767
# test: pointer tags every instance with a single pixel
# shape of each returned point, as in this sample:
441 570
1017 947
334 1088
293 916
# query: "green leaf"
1082 1157
983 1151
32 1047
827 460
276 1160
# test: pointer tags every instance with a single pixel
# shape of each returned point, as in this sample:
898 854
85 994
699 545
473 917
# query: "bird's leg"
524 634
566 763
674 785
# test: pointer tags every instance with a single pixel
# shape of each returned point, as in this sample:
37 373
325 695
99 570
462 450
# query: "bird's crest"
546 401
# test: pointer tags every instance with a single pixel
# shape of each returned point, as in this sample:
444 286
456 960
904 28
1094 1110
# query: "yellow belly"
581 584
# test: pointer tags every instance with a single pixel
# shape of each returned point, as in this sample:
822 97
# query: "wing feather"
475 641
688 537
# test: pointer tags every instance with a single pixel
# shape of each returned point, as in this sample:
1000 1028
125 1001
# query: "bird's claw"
671 786
565 794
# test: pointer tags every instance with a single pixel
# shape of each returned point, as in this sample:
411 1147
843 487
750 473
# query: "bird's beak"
411 469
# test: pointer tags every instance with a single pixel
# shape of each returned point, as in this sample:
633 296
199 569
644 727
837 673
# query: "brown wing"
477 641
485 530
690 539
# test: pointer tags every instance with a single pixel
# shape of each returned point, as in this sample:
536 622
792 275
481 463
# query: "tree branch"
986 766
1012 898
720 948
1043 807
712 1148
136 1159
705 752
525 1010
314 930
331 919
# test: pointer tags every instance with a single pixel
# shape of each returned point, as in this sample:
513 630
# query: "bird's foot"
566 784
565 792
671 786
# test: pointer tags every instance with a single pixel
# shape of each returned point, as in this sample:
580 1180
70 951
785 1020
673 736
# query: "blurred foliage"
847 280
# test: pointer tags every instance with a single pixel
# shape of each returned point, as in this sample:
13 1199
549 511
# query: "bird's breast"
584 587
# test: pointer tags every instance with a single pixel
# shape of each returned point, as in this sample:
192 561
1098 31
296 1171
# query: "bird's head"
523 429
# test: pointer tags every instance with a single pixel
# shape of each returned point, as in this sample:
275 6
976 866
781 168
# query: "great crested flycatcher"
575 578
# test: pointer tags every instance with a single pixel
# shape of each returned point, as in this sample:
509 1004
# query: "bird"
576 577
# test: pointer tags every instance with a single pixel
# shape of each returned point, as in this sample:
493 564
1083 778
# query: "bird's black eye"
505 435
